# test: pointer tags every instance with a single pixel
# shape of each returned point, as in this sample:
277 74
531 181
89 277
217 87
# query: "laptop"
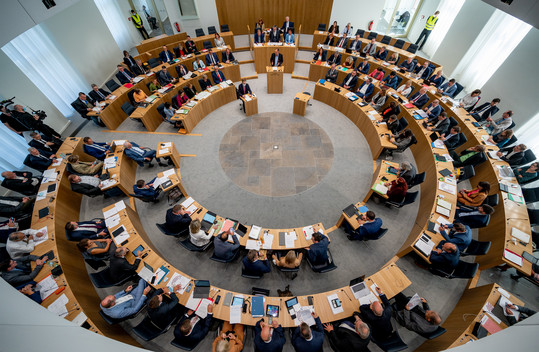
530 258
202 289
350 210
433 136
207 221
241 230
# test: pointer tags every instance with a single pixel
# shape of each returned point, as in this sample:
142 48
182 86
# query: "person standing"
137 21
429 26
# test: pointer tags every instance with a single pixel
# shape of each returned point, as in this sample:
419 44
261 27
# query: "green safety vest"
431 22
137 21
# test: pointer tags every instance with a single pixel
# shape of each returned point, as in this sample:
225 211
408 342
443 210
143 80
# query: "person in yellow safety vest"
429 26
137 21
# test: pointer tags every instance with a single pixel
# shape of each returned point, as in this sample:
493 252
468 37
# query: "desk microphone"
346 294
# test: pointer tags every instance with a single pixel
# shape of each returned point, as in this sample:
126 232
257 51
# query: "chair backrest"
372 35
130 96
153 62
530 194
386 39
533 214
462 140
161 110
419 179
224 28
466 173
321 26
175 102
177 52
478 247
128 108
458 90
403 123
212 30
511 141
399 44
361 33
492 200
112 85
410 198
528 157
465 270
412 48
379 234
199 32
206 44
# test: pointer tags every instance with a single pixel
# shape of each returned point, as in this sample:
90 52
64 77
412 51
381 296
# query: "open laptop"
433 136
530 258
207 221
350 210
202 289
241 230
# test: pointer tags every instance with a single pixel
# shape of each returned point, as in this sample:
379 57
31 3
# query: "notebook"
350 210
257 306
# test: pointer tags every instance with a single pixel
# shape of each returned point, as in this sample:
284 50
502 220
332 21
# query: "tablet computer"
272 311
138 250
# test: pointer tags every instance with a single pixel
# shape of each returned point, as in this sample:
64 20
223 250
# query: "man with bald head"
445 257
269 338
120 268
420 318
307 339
350 336
21 181
126 302
378 316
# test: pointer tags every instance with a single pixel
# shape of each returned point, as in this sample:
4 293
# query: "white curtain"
528 133
38 57
497 40
448 12
18 149
117 22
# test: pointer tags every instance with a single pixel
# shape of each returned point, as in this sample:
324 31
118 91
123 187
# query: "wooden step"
303 61
241 48
250 77
246 62
300 77
308 48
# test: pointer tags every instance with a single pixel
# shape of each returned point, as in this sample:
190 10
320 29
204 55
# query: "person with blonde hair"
230 339
197 236
290 260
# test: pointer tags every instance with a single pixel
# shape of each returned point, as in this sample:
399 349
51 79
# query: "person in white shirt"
197 236
501 124
468 102
22 242
406 88
198 64
218 40
348 30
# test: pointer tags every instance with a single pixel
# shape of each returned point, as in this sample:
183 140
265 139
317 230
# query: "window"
449 11
18 149
396 17
188 8
527 134
115 20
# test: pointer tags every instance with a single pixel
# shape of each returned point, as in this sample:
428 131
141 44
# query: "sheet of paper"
163 151
146 274
289 240
202 310
235 315
424 246
368 299
335 303
110 212
108 183
192 303
178 279
503 302
112 221
159 181
121 238
438 144
192 208
522 236
444 203
186 203
253 244
443 221
443 211
169 172
414 301
45 237
58 307
512 257
57 162
41 195
304 315
80 319
446 187
308 231
380 188
268 241
46 287
504 292
255 232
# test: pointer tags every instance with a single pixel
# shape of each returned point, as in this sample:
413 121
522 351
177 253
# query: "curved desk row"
159 41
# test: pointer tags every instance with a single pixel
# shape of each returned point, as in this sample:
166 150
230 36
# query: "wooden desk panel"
274 79
159 41
251 106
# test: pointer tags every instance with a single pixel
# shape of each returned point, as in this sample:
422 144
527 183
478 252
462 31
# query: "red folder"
128 85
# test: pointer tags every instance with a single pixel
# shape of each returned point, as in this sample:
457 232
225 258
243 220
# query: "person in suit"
165 55
274 35
330 39
177 219
224 249
227 56
244 88
190 45
19 271
348 30
22 182
276 58
369 225
348 336
332 74
334 28
474 217
198 64
451 139
191 329
433 110
527 173
119 306
448 88
11 122
393 124
287 25
128 59
87 185
190 91
164 77
445 257
161 310
365 89
139 68
92 230
470 156
378 316
370 48
440 125
524 312
503 123
205 83
141 155
350 80
379 99
342 42
260 38
217 76
420 318
22 243
420 98
179 51
40 159
124 76
98 150
265 341
84 167
423 71
460 235
435 80
16 206
355 46
407 65
512 155
381 54
484 111
256 265
364 67
318 251
391 80
289 37
335 58
83 105
146 190
393 59
98 94
211 58
181 70
120 268
307 339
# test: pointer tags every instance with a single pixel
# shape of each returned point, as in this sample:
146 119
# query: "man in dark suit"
139 68
307 339
407 65
40 160
164 77
120 268
474 217
124 76
189 332
21 182
332 74
33 122
440 125
470 156
141 155
420 318
87 185
190 45
484 111
76 231
16 206
190 91
445 257
433 110
205 83
330 39
227 56
335 58
217 76
460 234
45 143
181 70
99 94
166 55
356 44
349 336
274 35
287 25
318 251
420 98
342 42
364 67
265 341
244 88
451 139
211 58
378 317
512 155
83 104
423 71
369 225
350 80
254 265
177 219
19 271
161 310
276 58
98 150
365 89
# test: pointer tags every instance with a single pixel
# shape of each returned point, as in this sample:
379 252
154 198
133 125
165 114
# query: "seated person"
22 243
470 156
420 98
448 88
420 318
393 59
268 340
146 190
87 185
355 46
169 112
369 225
391 80
445 257
407 65
397 190
181 98
365 90
192 329
86 229
406 88
393 124
392 109
97 150
423 71
317 252
452 139
501 139
198 65
407 171
473 217
218 40
274 35
46 143
164 77
379 99
350 80
190 45
348 336
227 56
84 167
124 76
224 249
381 54
126 302
190 91
211 58
377 74
503 123
433 110
197 236
255 264
289 260
21 181
484 111
305 339
475 197
205 82
99 94
165 55
524 313
469 100
526 173
139 68
440 125
162 310
341 42
83 105
181 70
402 140
435 80
260 38
332 74
364 67
460 234
177 219
320 55
370 48
330 39
29 289
230 339
378 316
512 155
217 76
102 248
139 96
120 268
289 37
16 206
19 271
349 62
335 58
40 160
141 155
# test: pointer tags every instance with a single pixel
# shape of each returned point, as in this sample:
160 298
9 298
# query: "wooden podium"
300 103
275 79
251 106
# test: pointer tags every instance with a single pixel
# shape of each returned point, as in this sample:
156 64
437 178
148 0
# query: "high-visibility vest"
431 22
137 21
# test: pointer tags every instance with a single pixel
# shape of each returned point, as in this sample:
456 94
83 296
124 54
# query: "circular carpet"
276 154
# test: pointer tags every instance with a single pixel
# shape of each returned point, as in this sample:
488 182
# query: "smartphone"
217 299
124 243
270 320
188 289
310 300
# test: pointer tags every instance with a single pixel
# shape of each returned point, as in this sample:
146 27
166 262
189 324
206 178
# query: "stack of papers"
169 172
113 221
46 287
58 307
178 279
380 188
255 232
438 144
290 239
512 257
49 175
137 79
110 162
335 303
268 240
186 203
39 240
190 104
493 155
108 183
519 235
163 151
308 231
252 244
446 187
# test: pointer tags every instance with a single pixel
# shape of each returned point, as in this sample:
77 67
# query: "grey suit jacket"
414 321
332 77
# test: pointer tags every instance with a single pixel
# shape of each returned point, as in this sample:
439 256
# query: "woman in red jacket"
397 190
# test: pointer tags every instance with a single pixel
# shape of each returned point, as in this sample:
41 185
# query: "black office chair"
492 200
153 62
412 142
386 39
477 248
199 32
418 179
458 90
372 35
432 335
182 346
112 85
511 141
466 172
452 122
142 198
393 343
463 270
322 27
475 224
113 321
148 330
533 214
93 261
323 268
212 30
161 111
511 125
164 230
224 261
130 96
399 44
379 234
186 243
102 279
408 199
207 44
462 140
531 195
529 156
403 123
361 33
246 274
412 48
224 28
